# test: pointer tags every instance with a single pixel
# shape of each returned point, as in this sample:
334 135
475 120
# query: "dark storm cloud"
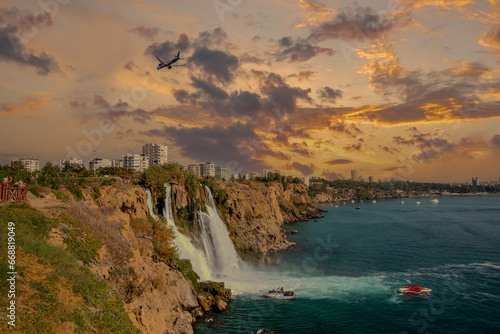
495 141
215 62
185 97
169 48
145 32
279 94
358 24
16 26
209 89
244 102
234 145
214 38
304 169
299 50
339 162
350 129
330 94
353 147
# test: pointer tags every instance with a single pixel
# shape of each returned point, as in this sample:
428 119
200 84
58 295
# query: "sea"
346 269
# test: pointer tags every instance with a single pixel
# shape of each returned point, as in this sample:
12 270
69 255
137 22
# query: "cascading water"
213 254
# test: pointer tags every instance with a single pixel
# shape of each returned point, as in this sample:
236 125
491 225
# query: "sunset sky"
403 88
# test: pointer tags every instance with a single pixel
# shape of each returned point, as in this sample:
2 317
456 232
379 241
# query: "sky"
405 89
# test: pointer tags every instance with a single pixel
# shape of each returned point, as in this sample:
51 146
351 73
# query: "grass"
59 194
45 273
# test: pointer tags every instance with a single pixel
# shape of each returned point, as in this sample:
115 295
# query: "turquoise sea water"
347 266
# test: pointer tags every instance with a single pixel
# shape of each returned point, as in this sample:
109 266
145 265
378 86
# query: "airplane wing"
161 61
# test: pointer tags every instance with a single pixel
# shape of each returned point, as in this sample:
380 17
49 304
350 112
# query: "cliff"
129 256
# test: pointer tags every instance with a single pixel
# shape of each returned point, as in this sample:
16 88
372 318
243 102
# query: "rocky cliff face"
157 298
256 211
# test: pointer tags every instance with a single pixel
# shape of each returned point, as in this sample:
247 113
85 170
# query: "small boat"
374 201
414 290
352 201
358 208
280 293
434 200
418 202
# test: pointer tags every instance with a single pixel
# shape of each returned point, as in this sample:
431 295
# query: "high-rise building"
222 172
98 163
157 153
207 169
370 179
137 162
117 163
354 175
30 164
195 169
475 182
70 161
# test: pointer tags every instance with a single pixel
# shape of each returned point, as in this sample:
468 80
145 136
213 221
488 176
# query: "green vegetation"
76 192
54 289
59 194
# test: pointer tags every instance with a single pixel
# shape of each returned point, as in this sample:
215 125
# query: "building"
157 153
305 180
264 173
30 164
136 162
222 172
207 169
354 175
117 163
475 182
195 169
70 161
98 163
370 179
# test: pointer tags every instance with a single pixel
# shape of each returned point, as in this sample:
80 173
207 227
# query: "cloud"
353 147
495 141
306 170
215 62
28 106
470 70
358 24
315 14
299 50
431 145
279 94
339 162
303 75
234 146
117 111
130 66
332 176
145 32
329 94
15 27
349 129
491 40
390 150
168 48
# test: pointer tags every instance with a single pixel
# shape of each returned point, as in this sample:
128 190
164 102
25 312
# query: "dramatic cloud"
304 169
491 40
330 94
358 24
470 70
339 162
145 32
281 95
234 146
349 129
316 13
168 48
431 145
495 141
15 28
299 50
119 110
215 62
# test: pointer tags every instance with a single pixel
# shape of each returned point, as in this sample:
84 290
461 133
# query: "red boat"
414 290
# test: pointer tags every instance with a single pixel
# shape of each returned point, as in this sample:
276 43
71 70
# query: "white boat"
280 293
434 200
418 202
374 201
352 201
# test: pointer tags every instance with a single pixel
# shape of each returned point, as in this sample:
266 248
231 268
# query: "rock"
206 300
221 305
197 312
294 231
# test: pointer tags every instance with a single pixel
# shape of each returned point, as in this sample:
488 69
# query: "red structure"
12 194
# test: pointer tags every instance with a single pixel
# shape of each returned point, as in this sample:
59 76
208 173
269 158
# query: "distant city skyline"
404 89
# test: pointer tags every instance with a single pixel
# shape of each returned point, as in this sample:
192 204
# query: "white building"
222 172
157 153
195 169
30 164
117 163
207 169
98 163
137 162
70 161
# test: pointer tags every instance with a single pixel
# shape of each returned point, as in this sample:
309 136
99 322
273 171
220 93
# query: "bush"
35 190
76 192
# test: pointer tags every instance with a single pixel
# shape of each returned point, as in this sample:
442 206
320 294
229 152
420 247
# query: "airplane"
169 64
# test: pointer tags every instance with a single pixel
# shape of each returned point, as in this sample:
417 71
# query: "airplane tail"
178 53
